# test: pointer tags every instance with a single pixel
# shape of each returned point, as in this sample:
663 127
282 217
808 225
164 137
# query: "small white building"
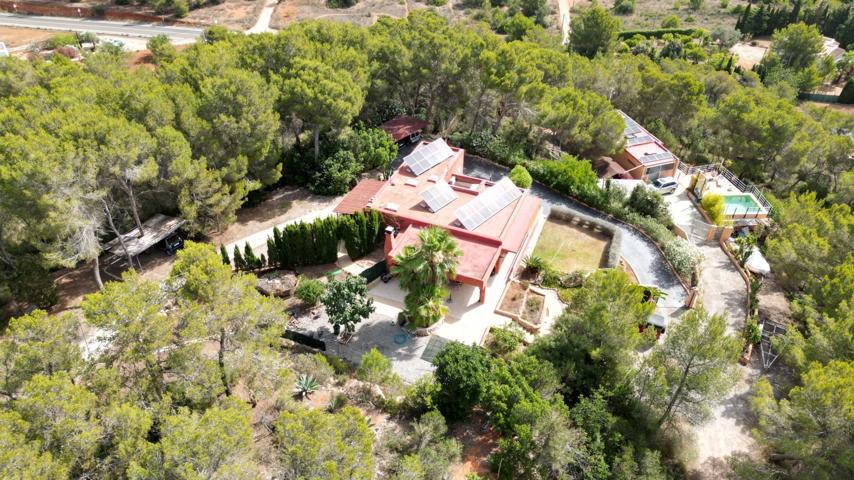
832 49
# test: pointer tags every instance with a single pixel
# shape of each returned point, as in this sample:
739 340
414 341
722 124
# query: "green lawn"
569 247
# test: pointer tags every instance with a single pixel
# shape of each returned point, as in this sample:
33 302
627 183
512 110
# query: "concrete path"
722 291
258 240
263 23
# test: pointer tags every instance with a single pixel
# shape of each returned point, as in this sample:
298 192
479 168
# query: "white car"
664 185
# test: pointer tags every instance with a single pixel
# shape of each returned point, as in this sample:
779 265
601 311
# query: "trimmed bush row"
316 243
658 32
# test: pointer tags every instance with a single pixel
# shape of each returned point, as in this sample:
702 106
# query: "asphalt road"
100 27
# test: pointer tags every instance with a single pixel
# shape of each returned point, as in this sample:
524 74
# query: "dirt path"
280 206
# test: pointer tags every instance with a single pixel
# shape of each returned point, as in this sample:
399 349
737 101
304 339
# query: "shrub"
713 204
341 3
569 175
624 7
520 177
696 4
670 21
161 49
309 291
551 278
490 146
505 340
752 331
684 256
421 397
648 202
60 40
462 372
724 4
437 3
375 368
314 365
336 174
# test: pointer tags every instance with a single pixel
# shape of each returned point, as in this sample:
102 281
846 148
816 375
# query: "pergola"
155 230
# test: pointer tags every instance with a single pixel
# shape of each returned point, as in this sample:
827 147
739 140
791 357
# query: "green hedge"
360 232
658 32
316 243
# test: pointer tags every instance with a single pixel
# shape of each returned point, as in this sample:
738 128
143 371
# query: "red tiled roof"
359 197
403 126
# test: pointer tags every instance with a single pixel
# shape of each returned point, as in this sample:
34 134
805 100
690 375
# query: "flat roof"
403 126
156 228
403 190
642 146
477 259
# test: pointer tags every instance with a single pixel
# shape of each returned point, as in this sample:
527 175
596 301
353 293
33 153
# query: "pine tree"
224 254
239 263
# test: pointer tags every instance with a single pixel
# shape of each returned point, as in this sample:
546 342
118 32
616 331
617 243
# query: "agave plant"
535 264
306 385
335 403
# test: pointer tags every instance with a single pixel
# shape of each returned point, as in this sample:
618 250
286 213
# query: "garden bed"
523 304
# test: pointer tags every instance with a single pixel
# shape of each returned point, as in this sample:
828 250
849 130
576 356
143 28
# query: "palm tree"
423 271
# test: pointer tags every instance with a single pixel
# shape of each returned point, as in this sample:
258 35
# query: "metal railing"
734 180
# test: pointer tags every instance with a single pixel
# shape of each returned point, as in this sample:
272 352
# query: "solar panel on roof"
655 157
637 140
428 156
438 196
488 203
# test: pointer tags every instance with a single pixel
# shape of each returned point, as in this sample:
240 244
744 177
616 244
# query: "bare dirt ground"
751 53
234 14
364 13
280 206
477 447
19 37
649 13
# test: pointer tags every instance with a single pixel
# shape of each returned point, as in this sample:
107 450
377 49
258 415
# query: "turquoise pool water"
739 204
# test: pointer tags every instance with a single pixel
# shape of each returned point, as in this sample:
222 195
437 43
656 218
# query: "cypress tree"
239 263
224 254
745 20
262 261
271 251
249 257
796 12
728 67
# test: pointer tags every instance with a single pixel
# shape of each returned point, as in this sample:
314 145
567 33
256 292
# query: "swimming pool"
741 204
